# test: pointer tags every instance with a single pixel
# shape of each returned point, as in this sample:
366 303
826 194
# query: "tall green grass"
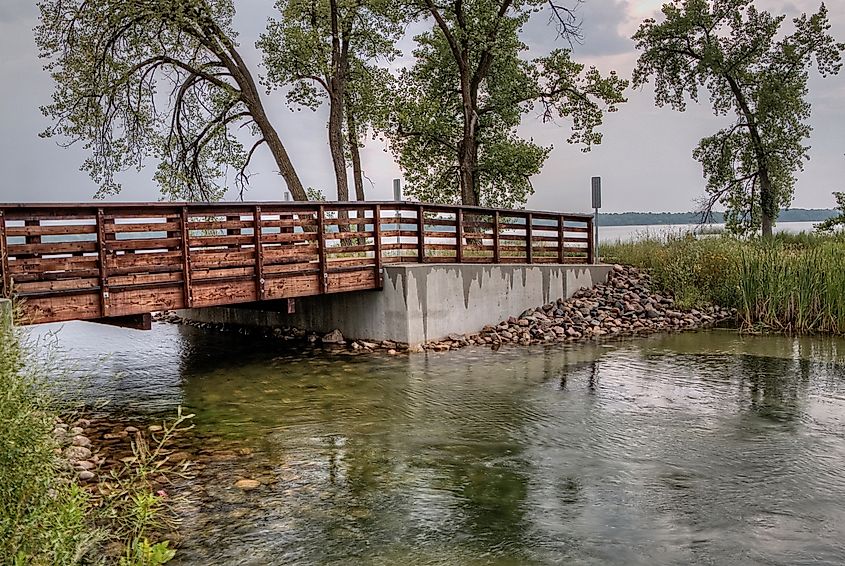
42 514
792 283
46 517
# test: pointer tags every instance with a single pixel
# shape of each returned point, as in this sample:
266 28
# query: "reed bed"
793 283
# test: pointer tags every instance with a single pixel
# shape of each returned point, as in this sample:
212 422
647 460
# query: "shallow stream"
701 448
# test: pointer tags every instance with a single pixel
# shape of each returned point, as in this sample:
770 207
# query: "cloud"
645 158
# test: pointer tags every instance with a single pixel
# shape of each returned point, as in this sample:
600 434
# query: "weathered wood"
497 229
259 256
101 253
38 230
529 246
155 256
187 294
321 249
379 272
112 227
5 275
421 233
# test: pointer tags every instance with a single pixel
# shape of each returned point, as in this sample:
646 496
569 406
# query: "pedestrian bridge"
107 262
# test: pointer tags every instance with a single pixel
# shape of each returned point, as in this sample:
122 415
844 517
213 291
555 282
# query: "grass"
46 517
793 283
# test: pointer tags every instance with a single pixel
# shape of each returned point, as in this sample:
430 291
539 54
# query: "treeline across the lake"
675 218
790 283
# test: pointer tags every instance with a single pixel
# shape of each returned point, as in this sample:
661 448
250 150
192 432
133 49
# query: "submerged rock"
334 337
247 485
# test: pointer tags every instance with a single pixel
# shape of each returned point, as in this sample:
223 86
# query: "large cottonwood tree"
159 80
327 50
754 74
457 108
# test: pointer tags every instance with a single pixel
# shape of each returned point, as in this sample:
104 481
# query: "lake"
627 233
699 448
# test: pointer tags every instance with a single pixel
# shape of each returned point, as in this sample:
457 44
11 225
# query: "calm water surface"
704 448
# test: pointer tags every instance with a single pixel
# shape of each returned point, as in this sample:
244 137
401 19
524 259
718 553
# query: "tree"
732 50
322 50
459 105
831 224
156 79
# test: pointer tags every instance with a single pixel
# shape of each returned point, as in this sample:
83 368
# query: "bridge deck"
96 261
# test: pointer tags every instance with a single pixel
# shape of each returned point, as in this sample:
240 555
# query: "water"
611 234
706 448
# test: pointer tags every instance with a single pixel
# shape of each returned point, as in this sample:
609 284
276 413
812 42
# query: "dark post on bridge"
105 261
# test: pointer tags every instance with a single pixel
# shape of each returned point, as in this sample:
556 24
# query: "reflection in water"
705 448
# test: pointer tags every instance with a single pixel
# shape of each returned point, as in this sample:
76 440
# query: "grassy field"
792 284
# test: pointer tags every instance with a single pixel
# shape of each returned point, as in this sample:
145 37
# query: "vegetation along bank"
790 283
77 491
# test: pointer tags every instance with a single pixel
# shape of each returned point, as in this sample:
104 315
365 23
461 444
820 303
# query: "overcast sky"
645 159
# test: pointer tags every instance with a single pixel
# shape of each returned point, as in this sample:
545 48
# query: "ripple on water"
701 448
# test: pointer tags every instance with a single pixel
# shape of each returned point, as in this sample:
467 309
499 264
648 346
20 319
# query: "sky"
645 160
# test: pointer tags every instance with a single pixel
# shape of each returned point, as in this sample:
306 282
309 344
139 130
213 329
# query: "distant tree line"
667 218
164 82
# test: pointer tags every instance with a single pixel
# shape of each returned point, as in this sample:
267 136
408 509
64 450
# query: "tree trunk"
336 146
337 83
468 149
354 151
767 204
252 100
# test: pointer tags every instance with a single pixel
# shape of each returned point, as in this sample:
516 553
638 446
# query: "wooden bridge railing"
93 261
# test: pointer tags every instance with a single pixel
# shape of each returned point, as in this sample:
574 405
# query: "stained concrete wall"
421 302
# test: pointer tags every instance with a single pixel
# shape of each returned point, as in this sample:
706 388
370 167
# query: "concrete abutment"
420 302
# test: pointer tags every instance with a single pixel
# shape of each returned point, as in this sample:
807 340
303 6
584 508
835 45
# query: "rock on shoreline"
624 306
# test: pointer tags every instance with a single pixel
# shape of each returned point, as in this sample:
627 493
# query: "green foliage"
792 283
754 74
154 80
831 224
297 48
42 519
326 50
458 107
46 518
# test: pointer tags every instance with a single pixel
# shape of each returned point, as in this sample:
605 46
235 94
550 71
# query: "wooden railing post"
377 243
591 244
259 255
459 235
321 248
561 240
497 255
5 280
101 254
529 235
421 234
187 290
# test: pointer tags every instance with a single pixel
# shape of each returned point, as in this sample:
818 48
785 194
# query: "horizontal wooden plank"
46 265
60 230
112 228
143 279
58 286
289 238
51 249
55 275
233 240
141 260
221 225
143 244
348 235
